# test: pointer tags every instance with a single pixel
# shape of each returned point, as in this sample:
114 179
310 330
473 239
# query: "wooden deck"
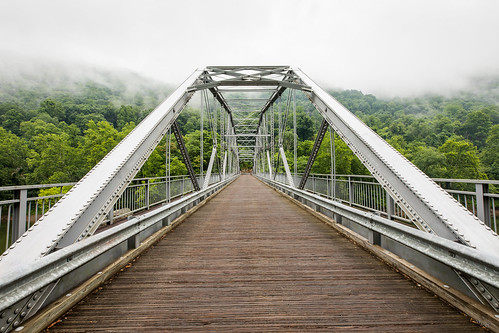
252 261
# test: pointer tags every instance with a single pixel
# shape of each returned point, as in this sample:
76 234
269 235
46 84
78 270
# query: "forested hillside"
55 128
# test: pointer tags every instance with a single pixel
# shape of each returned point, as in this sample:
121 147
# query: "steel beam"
270 164
429 206
286 167
79 213
313 154
185 155
224 166
210 167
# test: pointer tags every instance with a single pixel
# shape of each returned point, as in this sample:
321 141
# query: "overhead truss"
247 95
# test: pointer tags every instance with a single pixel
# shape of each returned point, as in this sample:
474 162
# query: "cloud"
385 47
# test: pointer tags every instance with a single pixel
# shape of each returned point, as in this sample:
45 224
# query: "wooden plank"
251 260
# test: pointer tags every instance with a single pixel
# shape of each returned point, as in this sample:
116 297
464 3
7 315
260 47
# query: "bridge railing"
481 197
22 206
445 262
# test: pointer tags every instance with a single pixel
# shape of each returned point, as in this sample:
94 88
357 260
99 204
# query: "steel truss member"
83 209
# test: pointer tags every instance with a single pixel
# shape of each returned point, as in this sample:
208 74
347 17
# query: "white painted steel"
429 206
270 164
210 167
286 167
82 209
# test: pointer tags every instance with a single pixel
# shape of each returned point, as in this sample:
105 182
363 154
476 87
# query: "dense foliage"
56 134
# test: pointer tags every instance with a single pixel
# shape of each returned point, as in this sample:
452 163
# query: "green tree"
11 117
13 153
304 125
99 138
126 114
429 160
476 127
54 160
461 159
490 154
53 108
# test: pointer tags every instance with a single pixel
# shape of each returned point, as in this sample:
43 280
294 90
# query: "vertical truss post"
224 165
272 139
210 166
286 167
276 162
185 155
168 165
270 164
295 137
201 138
333 162
313 155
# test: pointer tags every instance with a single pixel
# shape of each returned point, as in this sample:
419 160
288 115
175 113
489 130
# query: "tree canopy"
56 135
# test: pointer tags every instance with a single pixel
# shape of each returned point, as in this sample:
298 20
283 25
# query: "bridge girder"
410 188
78 214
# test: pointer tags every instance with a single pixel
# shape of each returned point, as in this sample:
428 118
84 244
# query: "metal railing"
22 206
70 266
440 257
363 191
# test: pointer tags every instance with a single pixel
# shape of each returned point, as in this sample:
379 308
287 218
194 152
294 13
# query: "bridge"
275 250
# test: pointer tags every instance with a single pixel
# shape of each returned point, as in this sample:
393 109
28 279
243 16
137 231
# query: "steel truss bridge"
441 245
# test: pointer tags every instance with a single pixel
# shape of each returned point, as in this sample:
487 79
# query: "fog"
384 47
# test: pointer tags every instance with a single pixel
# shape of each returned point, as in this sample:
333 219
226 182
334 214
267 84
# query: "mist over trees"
56 129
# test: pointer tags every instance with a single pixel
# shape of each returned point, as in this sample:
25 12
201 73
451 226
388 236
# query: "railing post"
19 214
110 215
390 206
350 191
183 184
147 193
482 203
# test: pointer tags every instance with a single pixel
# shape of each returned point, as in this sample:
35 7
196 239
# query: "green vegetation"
51 134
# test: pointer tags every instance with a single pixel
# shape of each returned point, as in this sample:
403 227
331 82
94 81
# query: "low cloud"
385 47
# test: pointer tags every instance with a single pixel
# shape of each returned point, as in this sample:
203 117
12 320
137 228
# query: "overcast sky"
383 47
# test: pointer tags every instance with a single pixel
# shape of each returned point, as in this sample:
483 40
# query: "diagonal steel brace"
185 155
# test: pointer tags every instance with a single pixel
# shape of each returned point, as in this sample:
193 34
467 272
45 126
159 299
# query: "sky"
387 47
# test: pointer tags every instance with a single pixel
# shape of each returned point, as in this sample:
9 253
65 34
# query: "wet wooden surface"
252 261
